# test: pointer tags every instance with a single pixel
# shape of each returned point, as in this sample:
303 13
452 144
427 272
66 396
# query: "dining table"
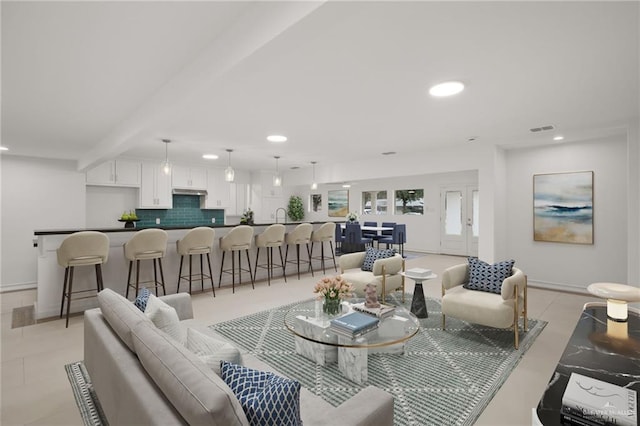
352 248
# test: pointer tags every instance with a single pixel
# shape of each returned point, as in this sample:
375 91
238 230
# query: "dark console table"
596 349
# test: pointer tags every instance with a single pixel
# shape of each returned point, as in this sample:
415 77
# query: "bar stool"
238 239
197 241
301 234
321 235
148 244
271 237
83 248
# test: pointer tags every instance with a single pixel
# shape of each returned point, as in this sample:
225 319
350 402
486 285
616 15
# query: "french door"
459 207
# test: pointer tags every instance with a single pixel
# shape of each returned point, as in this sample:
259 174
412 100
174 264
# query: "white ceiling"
348 80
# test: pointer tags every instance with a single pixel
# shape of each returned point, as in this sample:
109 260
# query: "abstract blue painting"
563 207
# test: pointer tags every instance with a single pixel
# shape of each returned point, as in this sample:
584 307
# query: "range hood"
179 191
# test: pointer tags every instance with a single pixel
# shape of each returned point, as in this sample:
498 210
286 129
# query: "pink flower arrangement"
333 288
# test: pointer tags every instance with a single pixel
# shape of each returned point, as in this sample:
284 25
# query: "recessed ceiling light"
558 138
346 185
210 157
448 88
4 148
276 138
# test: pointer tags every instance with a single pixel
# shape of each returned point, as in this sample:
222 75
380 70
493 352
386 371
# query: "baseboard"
6 288
568 288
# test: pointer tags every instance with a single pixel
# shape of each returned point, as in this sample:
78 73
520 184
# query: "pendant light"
229 173
165 166
314 184
277 179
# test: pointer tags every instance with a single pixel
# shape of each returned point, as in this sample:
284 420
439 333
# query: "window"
410 201
374 202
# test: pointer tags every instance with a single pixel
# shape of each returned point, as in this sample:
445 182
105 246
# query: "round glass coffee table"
316 341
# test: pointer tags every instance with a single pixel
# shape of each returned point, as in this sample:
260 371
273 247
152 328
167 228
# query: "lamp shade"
229 173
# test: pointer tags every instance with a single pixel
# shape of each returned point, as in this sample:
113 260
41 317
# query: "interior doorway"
459 224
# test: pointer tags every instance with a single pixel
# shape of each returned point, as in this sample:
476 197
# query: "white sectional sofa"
142 376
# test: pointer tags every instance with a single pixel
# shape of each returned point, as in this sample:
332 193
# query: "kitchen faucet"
285 214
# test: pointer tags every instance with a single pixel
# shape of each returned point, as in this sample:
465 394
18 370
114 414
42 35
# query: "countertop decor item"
247 217
331 290
129 219
295 209
352 217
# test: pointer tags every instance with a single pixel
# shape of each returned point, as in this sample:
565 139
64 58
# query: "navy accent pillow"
374 254
142 299
485 277
266 399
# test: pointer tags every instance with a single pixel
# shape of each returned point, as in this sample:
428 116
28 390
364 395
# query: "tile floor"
35 391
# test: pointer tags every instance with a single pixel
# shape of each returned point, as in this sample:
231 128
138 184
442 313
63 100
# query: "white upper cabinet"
218 190
155 188
115 173
189 177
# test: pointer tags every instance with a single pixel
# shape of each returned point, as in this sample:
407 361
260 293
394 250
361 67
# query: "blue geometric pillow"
142 299
485 277
374 254
266 399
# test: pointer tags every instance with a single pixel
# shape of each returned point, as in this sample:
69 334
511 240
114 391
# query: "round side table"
418 304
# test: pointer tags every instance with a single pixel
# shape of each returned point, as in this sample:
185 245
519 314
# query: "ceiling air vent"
542 128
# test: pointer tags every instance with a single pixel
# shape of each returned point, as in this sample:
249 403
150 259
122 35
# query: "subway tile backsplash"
186 211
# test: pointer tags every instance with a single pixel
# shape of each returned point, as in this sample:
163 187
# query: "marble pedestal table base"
353 361
418 303
320 353
350 354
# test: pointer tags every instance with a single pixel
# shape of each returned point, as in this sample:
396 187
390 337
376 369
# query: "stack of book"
591 402
384 311
354 324
418 273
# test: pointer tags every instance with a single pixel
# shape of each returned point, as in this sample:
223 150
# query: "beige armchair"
386 273
493 310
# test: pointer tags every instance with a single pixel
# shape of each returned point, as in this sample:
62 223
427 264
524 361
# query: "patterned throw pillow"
141 300
165 318
374 254
211 350
485 277
267 399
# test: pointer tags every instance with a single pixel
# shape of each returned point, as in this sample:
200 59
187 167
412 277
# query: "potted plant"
295 210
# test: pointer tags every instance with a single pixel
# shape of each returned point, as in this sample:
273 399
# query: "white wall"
105 204
572 265
37 194
423 232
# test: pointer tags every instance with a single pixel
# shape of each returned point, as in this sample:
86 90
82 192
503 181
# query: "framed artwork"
316 202
338 203
563 207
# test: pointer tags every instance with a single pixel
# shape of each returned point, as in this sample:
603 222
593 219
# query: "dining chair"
353 235
339 238
368 233
398 237
385 234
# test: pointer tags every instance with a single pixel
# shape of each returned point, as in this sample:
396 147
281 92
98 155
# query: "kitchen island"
50 275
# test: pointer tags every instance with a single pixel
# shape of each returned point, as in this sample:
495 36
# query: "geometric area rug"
86 399
443 378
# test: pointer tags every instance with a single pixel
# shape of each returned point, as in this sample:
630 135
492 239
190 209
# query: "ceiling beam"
262 23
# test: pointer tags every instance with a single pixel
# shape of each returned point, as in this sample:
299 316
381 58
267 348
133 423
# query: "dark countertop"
594 352
166 228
